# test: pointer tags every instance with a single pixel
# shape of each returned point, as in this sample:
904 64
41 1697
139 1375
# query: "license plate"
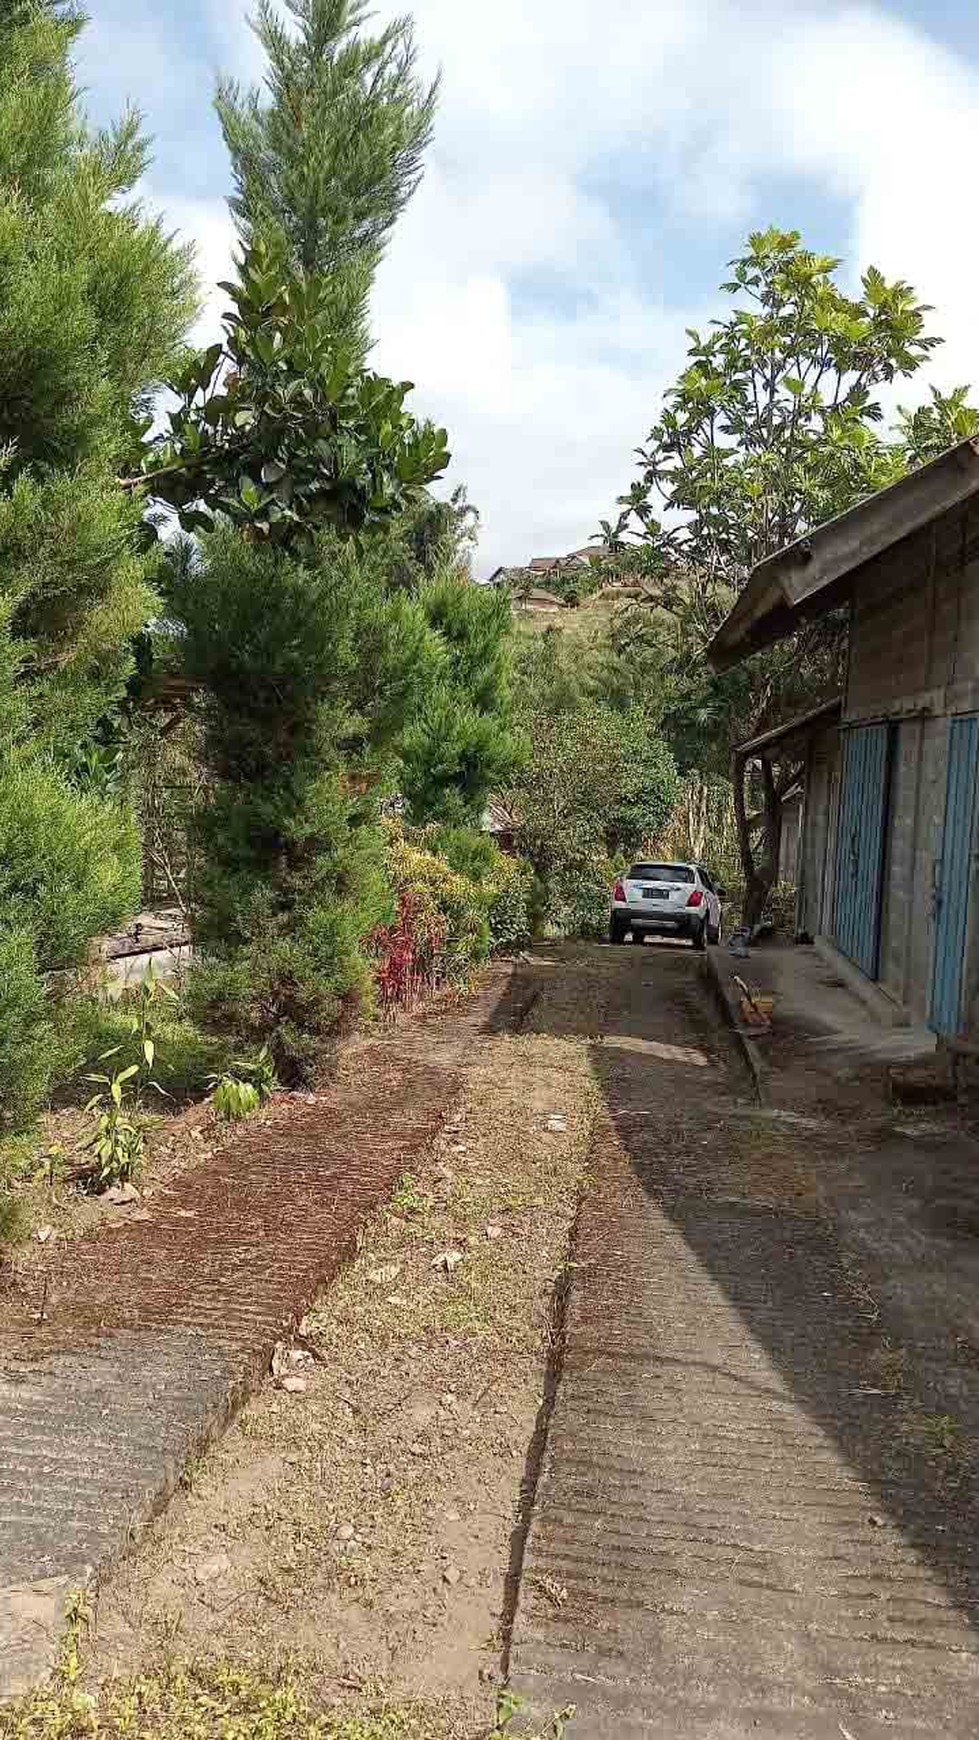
656 894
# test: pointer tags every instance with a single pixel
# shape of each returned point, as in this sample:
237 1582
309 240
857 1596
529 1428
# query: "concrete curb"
730 1009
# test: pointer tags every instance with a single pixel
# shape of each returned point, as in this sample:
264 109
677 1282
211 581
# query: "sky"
595 165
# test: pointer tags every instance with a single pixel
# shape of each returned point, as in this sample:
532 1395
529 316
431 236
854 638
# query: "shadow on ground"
836 1267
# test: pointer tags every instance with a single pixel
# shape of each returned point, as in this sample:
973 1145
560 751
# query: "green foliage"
280 430
28 1043
307 675
184 1060
600 785
432 537
511 913
141 1018
931 429
117 1139
14 1224
460 900
600 781
116 1142
211 1699
329 151
94 298
506 881
69 861
461 746
233 1099
69 869
244 1086
774 425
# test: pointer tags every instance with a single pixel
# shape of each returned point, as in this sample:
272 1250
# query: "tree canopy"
94 302
328 151
775 424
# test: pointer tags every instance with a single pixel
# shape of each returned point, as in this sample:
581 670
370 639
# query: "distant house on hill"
537 600
526 576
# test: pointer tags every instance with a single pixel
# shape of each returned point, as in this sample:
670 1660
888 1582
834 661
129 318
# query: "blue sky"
596 163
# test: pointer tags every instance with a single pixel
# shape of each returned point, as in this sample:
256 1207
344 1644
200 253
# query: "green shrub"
28 1042
310 674
511 914
185 1057
69 861
462 901
244 1086
507 883
14 1224
578 897
440 927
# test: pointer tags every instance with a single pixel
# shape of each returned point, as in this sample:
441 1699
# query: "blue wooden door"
860 844
953 878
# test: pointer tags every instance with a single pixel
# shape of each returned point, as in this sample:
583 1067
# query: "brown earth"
371 1522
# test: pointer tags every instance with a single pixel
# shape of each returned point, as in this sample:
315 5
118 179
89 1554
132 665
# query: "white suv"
669 899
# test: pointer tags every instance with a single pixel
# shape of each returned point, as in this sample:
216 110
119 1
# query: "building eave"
801 727
815 573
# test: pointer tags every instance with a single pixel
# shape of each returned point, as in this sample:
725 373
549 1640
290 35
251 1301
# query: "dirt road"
741 1427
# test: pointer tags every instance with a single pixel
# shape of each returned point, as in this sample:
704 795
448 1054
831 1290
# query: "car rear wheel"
639 936
700 936
713 934
616 931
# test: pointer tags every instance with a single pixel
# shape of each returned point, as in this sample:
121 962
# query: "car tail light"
696 898
618 892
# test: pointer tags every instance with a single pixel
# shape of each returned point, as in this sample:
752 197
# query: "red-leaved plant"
410 953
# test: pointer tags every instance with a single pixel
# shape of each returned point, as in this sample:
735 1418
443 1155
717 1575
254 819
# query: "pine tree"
461 745
329 152
94 300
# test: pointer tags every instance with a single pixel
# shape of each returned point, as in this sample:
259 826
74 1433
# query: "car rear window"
661 873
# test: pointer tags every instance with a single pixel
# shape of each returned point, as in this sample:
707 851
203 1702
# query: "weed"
233 1099
140 1022
183 1056
211 1700
943 1433
509 1706
409 1198
13 1221
552 1590
245 1085
117 1140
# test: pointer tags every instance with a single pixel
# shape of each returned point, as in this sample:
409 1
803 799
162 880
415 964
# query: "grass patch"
185 1056
219 1699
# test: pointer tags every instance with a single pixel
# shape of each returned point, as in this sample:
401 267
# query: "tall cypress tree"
327 154
94 301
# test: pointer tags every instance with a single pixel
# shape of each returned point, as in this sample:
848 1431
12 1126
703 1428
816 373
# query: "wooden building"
888 882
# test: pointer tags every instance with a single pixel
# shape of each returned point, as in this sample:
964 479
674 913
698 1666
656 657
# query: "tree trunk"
759 865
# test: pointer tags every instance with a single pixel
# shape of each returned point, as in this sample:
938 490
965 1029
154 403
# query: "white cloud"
898 141
524 298
208 222
697 108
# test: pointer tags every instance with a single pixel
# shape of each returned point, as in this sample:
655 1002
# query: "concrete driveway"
757 1512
